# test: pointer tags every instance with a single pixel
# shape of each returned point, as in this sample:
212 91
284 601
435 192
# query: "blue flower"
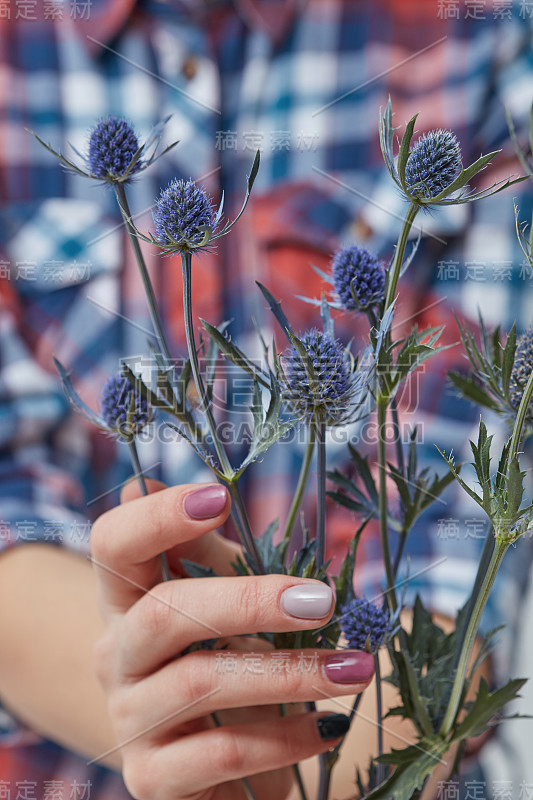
183 217
364 624
327 397
359 278
112 147
522 367
433 164
124 410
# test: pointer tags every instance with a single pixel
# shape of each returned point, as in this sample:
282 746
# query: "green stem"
397 436
134 455
379 711
321 494
520 420
394 271
195 367
302 481
242 522
498 553
150 296
383 508
325 777
240 516
295 767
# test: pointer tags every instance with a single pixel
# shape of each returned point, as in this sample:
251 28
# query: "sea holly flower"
325 393
124 411
184 218
431 173
113 146
364 624
433 164
358 278
114 153
522 368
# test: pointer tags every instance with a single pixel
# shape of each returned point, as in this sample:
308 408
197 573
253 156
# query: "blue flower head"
124 410
112 146
522 367
183 217
433 163
364 624
328 398
359 278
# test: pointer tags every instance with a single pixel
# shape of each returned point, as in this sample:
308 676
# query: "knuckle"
196 676
228 754
138 777
100 538
296 683
258 598
122 710
291 746
104 658
156 612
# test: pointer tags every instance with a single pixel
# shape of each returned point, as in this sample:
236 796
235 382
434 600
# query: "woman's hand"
161 701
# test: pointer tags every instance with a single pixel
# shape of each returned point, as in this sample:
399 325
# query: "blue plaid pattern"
303 82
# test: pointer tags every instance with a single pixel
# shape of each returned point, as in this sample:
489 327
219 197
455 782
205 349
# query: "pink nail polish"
352 666
205 503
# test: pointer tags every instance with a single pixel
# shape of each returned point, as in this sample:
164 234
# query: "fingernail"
206 502
307 601
349 667
333 726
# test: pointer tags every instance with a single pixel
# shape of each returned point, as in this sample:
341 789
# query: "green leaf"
414 765
147 394
531 128
75 400
268 428
515 489
327 321
386 139
508 359
195 570
234 353
212 358
403 153
275 307
466 175
471 390
485 706
197 447
455 473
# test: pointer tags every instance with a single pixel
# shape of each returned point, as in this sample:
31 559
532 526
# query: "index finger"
126 541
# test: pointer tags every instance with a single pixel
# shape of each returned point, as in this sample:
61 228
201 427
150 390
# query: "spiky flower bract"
328 398
124 410
522 367
183 217
359 278
112 146
433 163
364 624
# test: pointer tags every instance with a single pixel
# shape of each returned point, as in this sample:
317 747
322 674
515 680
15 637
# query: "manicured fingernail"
333 726
307 601
206 502
349 667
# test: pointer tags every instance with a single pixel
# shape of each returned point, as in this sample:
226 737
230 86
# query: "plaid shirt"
302 81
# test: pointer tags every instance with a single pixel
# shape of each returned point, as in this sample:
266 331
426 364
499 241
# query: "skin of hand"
161 700
49 623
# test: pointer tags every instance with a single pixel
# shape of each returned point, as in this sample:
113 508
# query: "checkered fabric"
304 82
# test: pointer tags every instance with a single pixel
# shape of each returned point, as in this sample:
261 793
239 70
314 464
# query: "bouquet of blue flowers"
315 384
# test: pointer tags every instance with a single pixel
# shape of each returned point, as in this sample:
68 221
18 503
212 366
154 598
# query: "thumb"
131 489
